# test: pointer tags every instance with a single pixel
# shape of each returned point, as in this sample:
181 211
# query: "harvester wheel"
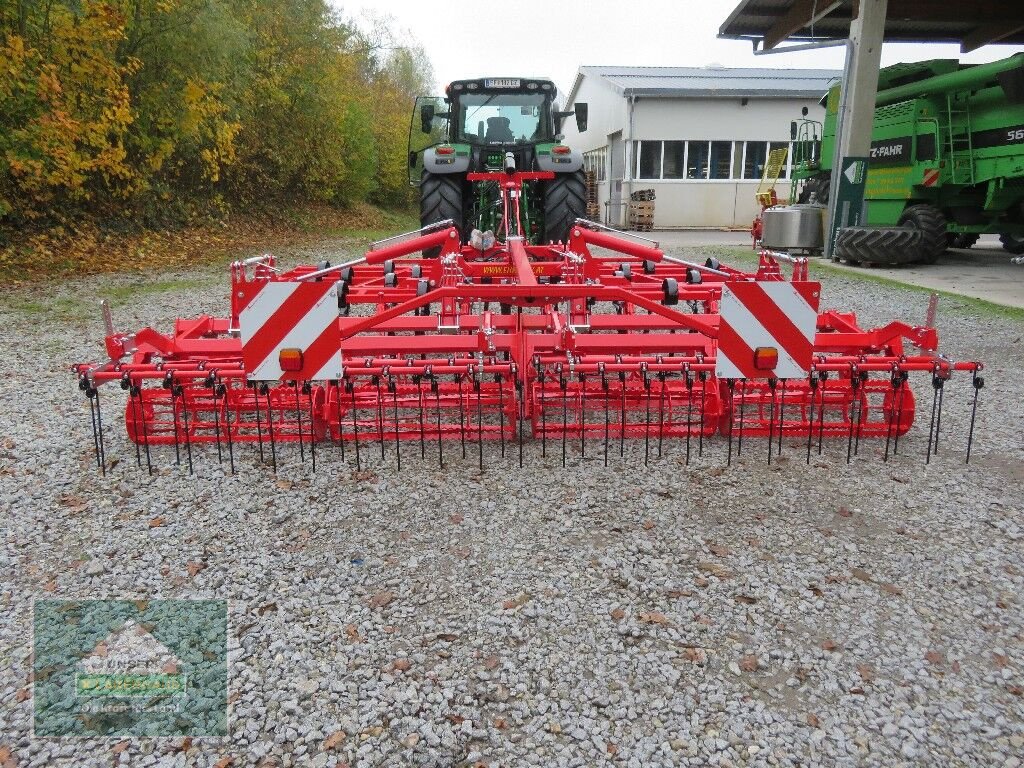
929 221
819 186
565 200
878 245
1012 244
961 239
440 199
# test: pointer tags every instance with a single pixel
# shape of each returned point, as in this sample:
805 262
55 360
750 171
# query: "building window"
697 160
596 161
649 160
721 159
674 164
753 163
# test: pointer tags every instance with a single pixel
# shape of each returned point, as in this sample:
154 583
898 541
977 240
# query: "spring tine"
661 413
938 419
647 420
99 431
895 383
174 419
479 422
565 412
782 414
731 384
543 416
689 414
622 431
437 404
860 411
259 426
703 398
145 429
135 424
462 421
423 433
393 389
521 417
216 423
188 433
298 418
270 426
97 436
380 416
227 426
772 383
899 412
501 413
823 375
812 382
583 415
977 382
355 422
743 401
607 416
341 436
937 388
854 382
307 388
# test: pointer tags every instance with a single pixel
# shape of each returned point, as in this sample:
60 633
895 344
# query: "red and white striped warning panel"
290 331
930 177
767 330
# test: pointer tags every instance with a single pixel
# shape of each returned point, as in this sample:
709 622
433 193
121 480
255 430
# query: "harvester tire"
820 186
1012 244
878 245
565 200
929 221
440 199
962 239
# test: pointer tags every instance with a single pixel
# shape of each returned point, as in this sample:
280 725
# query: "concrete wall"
713 203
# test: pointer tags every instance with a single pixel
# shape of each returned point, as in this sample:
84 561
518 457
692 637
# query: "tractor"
489 125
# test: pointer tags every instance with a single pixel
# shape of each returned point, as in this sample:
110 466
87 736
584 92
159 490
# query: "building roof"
712 81
769 22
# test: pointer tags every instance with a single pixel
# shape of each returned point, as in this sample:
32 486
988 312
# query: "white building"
698 136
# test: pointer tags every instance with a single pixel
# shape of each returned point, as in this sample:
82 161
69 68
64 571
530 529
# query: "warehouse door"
617 161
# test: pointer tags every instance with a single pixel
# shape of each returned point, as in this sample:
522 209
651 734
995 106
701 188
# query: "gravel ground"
862 614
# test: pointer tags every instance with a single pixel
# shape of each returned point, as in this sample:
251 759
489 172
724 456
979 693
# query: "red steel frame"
551 339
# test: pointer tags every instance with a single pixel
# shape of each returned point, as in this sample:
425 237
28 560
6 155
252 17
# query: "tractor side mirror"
792 130
582 112
426 117
412 159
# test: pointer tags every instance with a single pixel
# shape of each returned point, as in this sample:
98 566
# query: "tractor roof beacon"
497 124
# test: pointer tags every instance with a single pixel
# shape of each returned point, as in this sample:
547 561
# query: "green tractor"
497 124
946 161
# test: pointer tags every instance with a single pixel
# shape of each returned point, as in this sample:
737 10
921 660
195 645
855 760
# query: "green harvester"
946 162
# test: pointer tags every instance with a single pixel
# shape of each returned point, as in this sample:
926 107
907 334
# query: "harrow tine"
661 413
689 414
521 417
543 417
298 419
259 426
647 420
977 382
743 400
462 421
703 399
501 412
265 390
216 421
565 411
772 383
823 375
622 431
938 420
479 421
812 382
227 426
393 389
423 434
355 423
307 390
855 404
860 412
380 415
188 432
937 382
337 399
583 415
174 419
607 415
899 412
136 392
93 396
135 421
437 404
731 384
782 414
894 381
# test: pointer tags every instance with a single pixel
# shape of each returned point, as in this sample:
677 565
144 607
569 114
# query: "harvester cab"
492 125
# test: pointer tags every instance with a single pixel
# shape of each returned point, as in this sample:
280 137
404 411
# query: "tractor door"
428 127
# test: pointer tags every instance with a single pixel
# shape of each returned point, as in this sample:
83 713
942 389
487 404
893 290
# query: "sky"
555 38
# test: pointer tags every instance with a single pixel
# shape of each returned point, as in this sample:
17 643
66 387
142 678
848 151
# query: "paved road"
983 272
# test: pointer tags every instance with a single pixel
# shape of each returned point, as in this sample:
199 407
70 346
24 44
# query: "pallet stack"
593 208
641 210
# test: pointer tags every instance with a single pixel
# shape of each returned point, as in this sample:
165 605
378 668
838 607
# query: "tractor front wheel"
565 200
440 199
1012 244
929 221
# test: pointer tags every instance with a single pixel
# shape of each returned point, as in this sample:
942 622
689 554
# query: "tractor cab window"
506 118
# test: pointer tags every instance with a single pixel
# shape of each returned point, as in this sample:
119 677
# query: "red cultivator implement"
509 340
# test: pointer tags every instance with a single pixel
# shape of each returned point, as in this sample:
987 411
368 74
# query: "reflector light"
766 358
560 150
290 359
445 150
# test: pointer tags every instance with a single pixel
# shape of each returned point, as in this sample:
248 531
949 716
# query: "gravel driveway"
831 614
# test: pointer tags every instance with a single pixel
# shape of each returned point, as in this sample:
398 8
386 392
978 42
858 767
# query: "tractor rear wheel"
565 200
440 199
929 221
1012 244
878 245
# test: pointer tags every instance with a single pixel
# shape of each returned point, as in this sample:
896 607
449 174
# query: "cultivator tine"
179 391
350 388
298 420
169 384
211 383
136 392
479 421
393 389
812 382
126 384
933 433
977 382
899 411
307 390
743 401
731 384
501 412
380 415
337 399
423 433
462 420
521 417
689 414
265 391
437 403
855 403
223 391
647 420
93 396
782 414
583 415
823 375
622 432
938 420
860 413
772 383
543 417
607 415
703 402
259 425
661 413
